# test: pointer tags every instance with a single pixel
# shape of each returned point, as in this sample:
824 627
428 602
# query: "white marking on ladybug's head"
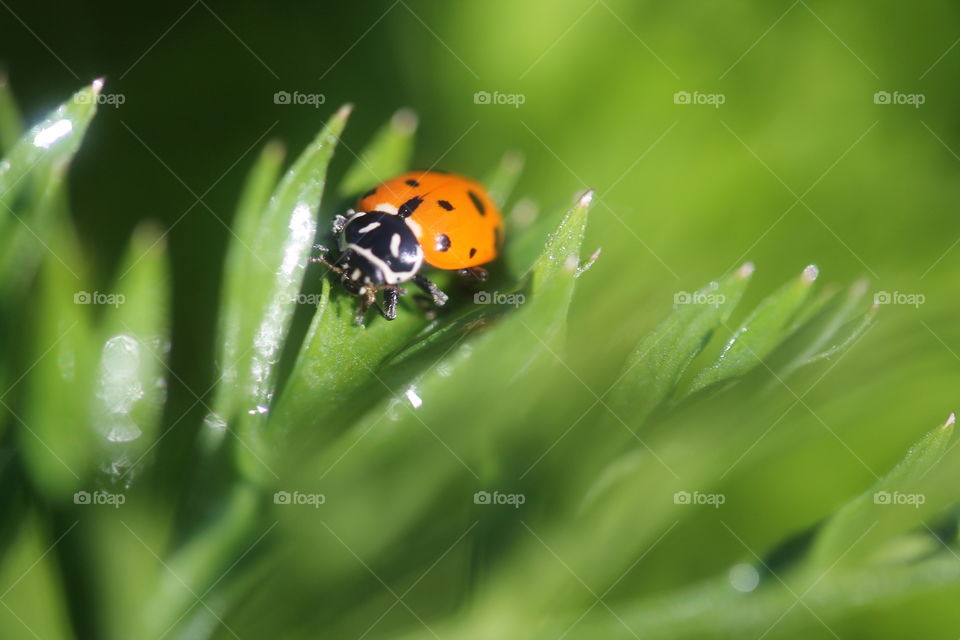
356 274
416 228
395 245
386 207
370 227
389 275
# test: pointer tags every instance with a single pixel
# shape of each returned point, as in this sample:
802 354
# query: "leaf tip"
586 199
858 288
344 112
810 273
405 121
746 270
97 84
951 419
512 161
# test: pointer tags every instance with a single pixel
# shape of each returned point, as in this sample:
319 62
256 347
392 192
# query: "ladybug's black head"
377 248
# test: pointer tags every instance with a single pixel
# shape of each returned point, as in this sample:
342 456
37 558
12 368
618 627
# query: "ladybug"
444 220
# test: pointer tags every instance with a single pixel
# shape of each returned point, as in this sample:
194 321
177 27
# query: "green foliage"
398 425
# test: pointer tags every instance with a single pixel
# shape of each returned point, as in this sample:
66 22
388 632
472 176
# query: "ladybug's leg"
439 297
475 272
367 300
391 295
322 260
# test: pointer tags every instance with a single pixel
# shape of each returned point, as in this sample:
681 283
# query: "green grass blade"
276 261
323 379
656 366
131 374
501 181
765 328
55 432
387 154
429 436
11 123
896 502
259 185
35 166
52 141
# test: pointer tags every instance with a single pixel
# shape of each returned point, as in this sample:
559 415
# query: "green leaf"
53 142
233 342
765 328
11 124
405 450
54 431
894 503
276 260
37 164
200 564
503 179
384 157
336 360
656 366
131 375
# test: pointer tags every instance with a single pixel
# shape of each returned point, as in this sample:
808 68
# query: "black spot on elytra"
446 205
370 193
407 208
443 242
473 251
412 182
477 202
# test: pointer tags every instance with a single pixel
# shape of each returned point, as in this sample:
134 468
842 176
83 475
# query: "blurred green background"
800 164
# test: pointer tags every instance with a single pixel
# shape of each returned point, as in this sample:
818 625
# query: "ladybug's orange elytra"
453 217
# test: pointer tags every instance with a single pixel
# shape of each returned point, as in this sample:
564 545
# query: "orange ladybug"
445 220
